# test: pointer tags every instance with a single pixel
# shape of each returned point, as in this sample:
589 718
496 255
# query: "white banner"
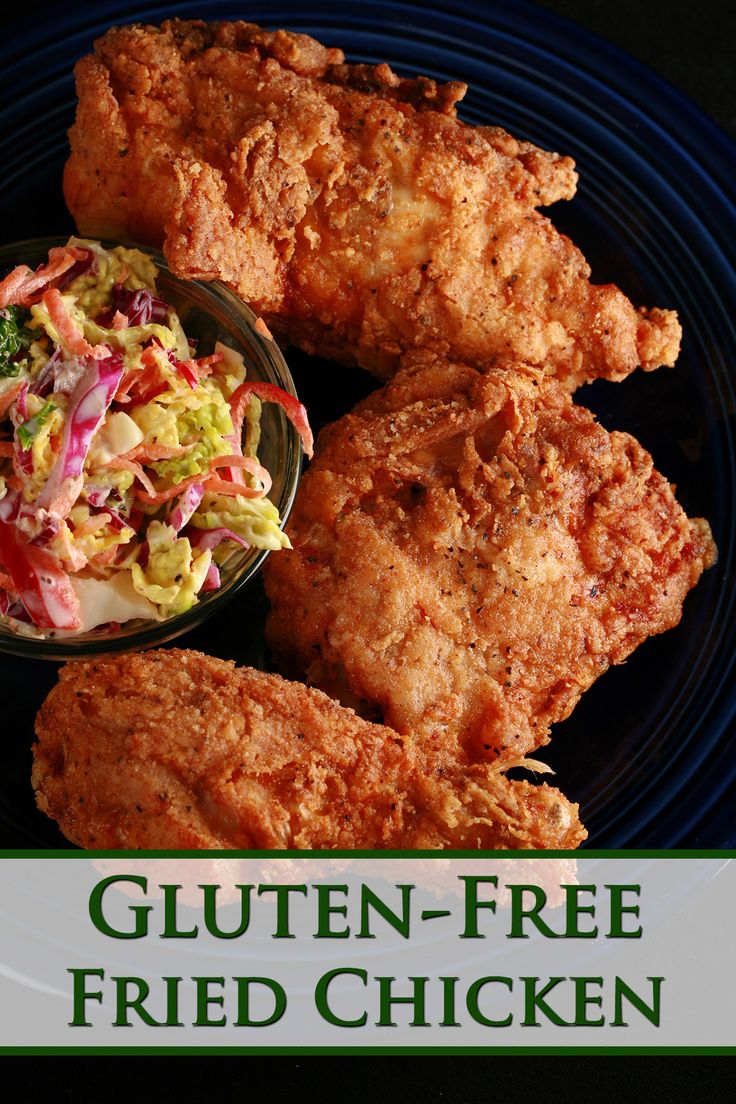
383 952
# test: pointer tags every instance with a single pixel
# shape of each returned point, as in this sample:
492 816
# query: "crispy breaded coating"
470 552
349 207
175 749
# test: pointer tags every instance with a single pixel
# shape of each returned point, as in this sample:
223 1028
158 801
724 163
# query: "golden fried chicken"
349 207
470 552
175 749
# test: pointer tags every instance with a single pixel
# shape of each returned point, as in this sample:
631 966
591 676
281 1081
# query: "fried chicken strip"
351 208
175 749
470 552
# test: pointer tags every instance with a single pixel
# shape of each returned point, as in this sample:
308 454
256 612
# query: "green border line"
425 1051
346 854
428 1051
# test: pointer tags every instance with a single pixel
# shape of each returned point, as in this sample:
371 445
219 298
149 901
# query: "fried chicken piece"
470 552
350 208
175 749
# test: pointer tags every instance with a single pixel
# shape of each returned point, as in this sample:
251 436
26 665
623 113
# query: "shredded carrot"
211 482
203 366
249 464
233 461
11 289
91 525
225 487
75 556
155 498
151 453
69 332
119 464
9 396
108 557
150 381
262 329
121 395
21 286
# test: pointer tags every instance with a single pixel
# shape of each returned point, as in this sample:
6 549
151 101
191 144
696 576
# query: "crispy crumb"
529 550
349 207
175 749
262 329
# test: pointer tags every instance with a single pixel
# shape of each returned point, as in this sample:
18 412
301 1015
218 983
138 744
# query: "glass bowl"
209 313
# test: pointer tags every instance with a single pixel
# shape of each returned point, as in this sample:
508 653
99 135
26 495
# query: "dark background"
693 46
692 43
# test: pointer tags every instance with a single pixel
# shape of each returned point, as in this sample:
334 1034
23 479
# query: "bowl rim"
156 633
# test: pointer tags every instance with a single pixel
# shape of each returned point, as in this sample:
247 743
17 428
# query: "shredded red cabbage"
98 496
212 579
44 381
204 539
85 264
9 506
87 408
184 507
139 307
21 404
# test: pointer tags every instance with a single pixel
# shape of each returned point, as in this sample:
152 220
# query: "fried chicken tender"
349 207
175 749
470 552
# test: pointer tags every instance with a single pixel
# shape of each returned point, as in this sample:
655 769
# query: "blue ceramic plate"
649 752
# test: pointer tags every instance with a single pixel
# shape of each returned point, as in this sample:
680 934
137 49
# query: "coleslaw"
129 469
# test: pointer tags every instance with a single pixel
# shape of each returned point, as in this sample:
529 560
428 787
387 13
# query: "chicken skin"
175 749
349 207
470 552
